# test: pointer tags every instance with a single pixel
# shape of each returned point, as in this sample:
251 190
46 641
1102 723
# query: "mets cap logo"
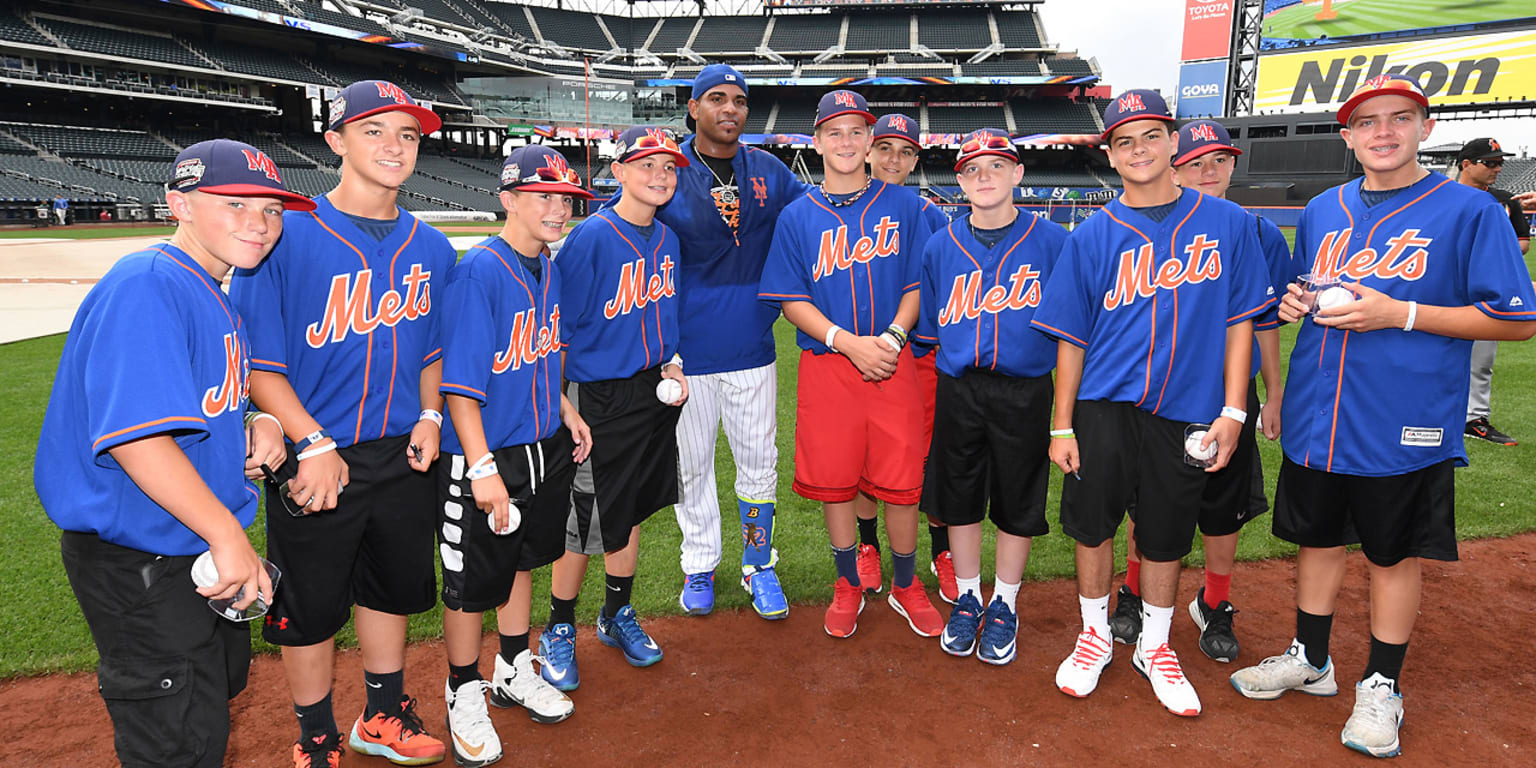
844 99
1203 132
1131 102
189 172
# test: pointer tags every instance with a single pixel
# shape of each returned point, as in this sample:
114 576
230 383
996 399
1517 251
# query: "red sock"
1218 587
1133 576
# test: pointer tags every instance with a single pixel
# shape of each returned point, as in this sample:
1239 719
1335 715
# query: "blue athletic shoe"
999 634
698 597
557 649
624 633
767 595
959 638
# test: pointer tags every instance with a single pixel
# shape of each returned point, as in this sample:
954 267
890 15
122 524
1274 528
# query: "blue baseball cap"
842 102
1138 104
898 125
986 141
1383 85
646 140
716 75
234 169
1202 137
370 97
537 168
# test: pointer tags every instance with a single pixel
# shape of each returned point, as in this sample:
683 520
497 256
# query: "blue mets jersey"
1387 402
853 262
155 348
978 301
619 295
1150 302
1280 270
348 320
501 345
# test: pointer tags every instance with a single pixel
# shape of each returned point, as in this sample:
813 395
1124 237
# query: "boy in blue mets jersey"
1152 304
510 448
1374 400
982 279
619 330
147 454
345 353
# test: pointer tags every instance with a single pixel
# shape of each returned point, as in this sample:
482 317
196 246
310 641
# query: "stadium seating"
312 10
812 33
836 68
512 17
13 27
1054 116
1056 177
10 146
92 142
1065 66
1018 29
955 30
623 31
1519 175
122 43
251 60
17 188
962 119
1002 68
934 70
740 34
672 35
795 117
879 32
77 178
570 29
270 6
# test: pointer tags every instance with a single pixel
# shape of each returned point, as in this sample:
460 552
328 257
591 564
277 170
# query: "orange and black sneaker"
396 736
1482 430
322 751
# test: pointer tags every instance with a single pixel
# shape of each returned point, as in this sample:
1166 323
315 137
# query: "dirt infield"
735 690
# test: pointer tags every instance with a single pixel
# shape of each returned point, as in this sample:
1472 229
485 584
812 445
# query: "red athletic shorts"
928 390
853 435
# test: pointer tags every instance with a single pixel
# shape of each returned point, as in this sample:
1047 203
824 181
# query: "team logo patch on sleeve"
1423 437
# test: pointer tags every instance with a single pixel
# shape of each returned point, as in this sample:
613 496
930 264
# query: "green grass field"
1363 17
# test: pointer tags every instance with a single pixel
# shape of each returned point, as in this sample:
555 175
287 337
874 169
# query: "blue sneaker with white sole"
624 633
959 638
999 634
557 648
762 582
698 596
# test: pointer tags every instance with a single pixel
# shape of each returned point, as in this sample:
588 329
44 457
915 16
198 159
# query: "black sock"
315 719
513 645
562 611
385 690
939 536
1386 660
1312 630
458 675
867 532
618 594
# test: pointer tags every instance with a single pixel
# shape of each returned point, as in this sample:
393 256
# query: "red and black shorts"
1391 518
853 435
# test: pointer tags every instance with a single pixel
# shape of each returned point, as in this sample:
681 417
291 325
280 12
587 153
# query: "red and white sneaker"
913 604
1079 674
843 613
869 569
1173 689
943 567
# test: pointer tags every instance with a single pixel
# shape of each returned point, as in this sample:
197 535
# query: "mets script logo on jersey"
528 341
967 302
637 290
1131 102
1136 276
760 189
834 253
230 394
1407 257
394 92
350 306
258 161
1203 133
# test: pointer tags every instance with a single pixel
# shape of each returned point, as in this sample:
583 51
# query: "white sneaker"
1079 674
474 739
1287 672
517 684
1372 727
1174 691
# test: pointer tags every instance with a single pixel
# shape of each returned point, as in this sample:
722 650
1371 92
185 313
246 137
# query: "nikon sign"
1452 70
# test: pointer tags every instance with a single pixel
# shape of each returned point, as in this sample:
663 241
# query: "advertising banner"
1207 29
1202 89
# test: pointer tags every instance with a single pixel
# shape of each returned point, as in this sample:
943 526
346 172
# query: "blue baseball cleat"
557 649
624 633
959 638
698 596
767 595
999 634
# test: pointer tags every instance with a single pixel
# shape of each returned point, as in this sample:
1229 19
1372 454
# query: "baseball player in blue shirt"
1404 268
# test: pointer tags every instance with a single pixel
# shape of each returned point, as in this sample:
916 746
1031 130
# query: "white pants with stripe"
746 403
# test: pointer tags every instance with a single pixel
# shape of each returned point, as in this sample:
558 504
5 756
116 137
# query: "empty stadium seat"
674 34
121 43
252 60
879 32
965 119
1054 116
1002 68
936 70
512 17
730 33
12 27
91 142
954 30
1066 66
570 29
1018 29
811 33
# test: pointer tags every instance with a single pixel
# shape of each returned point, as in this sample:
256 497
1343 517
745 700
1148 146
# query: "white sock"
1155 623
971 585
1095 612
1009 593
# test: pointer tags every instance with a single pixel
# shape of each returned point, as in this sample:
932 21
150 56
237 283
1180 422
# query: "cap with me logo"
986 141
1203 137
646 140
232 168
1138 104
537 168
370 97
1383 85
839 103
897 126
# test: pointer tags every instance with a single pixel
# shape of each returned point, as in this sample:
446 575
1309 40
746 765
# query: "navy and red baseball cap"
234 169
1202 137
843 102
899 126
646 140
370 97
537 168
986 141
1138 104
1383 85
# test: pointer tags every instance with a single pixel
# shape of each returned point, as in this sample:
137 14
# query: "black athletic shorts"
480 567
374 549
169 665
1391 518
632 470
991 434
1130 455
1230 499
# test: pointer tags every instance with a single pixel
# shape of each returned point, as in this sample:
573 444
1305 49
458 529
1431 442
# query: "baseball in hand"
669 390
1333 297
1192 446
204 572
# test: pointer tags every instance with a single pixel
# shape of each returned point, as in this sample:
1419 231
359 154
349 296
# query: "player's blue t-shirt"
349 320
618 298
977 301
853 262
155 348
501 344
1151 302
1387 402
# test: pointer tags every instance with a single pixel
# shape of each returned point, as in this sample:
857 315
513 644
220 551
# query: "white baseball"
1333 297
1192 446
669 390
204 572
514 519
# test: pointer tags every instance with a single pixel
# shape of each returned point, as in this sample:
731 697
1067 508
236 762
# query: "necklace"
850 201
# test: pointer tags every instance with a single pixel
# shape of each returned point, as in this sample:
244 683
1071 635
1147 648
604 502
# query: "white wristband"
259 415
831 333
898 327
436 417
890 341
313 452
1413 314
482 468
676 360
1236 414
